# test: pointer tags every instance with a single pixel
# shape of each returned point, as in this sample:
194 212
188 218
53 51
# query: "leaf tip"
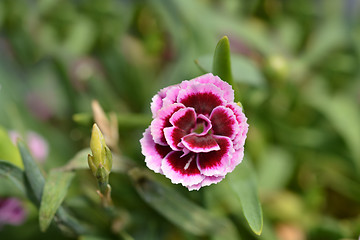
225 38
258 232
224 41
44 223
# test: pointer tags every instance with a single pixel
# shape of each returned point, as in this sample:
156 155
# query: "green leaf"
276 168
64 220
84 119
243 182
341 111
80 37
125 120
121 164
13 178
79 161
132 120
221 203
244 70
222 61
32 172
8 150
14 174
328 37
68 224
179 210
55 190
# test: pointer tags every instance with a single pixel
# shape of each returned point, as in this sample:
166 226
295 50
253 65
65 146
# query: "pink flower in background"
198 133
38 146
11 212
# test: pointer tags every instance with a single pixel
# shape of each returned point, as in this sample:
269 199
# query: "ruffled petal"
181 169
184 119
215 163
164 97
154 153
156 104
198 143
198 132
173 137
206 182
236 159
240 137
202 97
224 122
162 121
228 92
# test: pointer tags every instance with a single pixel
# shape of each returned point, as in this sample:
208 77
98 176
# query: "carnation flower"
197 134
11 212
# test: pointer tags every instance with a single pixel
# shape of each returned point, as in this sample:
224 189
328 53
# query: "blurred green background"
297 64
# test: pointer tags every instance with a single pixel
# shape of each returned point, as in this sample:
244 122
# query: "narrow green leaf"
55 190
133 120
79 161
243 182
222 61
126 120
84 119
8 150
328 37
64 220
221 203
14 174
341 183
81 37
32 172
276 168
67 223
179 210
245 71
13 178
341 111
121 164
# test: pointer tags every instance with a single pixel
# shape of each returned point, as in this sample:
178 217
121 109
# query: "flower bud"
277 68
100 162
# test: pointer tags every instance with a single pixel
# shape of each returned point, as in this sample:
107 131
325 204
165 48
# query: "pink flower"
11 212
38 146
198 133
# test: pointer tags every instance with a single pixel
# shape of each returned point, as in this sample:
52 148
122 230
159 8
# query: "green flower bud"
277 68
100 162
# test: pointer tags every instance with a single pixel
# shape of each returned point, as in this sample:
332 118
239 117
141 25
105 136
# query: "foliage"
294 63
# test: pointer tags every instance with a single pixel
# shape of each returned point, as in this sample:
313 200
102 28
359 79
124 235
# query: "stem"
105 195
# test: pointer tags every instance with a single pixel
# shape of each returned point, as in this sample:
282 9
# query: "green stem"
125 120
